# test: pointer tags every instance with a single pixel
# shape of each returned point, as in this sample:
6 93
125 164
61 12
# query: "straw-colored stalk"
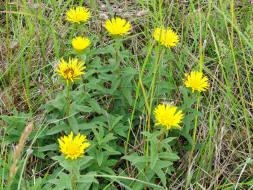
18 149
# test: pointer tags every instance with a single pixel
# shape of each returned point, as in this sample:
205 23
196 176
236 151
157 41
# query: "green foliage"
159 161
112 104
16 124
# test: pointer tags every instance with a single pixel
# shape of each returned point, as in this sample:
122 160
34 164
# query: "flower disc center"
69 73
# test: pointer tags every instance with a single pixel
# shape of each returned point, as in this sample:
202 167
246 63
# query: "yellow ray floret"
167 116
77 15
166 37
71 70
117 26
80 43
73 148
196 81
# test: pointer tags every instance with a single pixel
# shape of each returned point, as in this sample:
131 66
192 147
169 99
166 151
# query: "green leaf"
59 102
38 153
83 162
154 159
163 164
90 125
62 182
96 107
111 162
161 175
73 124
65 163
88 178
108 138
100 157
168 156
168 140
98 135
50 147
76 108
136 159
121 130
116 121
57 129
110 149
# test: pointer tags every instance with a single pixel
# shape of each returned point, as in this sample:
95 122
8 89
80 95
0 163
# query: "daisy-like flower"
196 81
167 116
117 26
73 148
77 15
71 70
80 43
166 37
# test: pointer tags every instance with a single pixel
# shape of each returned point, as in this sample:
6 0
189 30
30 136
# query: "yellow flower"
71 70
117 26
166 37
196 81
167 116
77 15
80 43
73 148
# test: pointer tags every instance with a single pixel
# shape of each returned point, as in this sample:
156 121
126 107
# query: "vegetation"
153 94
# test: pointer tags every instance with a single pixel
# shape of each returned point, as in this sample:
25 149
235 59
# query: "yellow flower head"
80 43
73 148
167 116
196 81
71 70
166 37
117 26
77 15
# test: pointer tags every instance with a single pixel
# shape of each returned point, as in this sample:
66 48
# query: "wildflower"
77 15
71 70
117 26
196 81
73 148
80 43
167 116
166 37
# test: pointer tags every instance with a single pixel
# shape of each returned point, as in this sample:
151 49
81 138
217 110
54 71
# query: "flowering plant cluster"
88 135
167 116
134 95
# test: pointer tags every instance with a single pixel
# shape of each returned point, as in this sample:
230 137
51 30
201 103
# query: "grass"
215 36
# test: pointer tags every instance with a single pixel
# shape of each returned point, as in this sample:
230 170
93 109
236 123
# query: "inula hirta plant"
80 43
118 26
196 81
71 70
166 37
73 148
168 116
78 15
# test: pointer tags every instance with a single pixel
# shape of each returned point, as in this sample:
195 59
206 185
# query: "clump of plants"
90 143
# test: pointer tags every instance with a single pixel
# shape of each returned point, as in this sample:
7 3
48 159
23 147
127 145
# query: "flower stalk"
116 47
68 100
73 182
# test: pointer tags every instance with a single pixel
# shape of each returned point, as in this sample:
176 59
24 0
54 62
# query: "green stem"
68 100
161 139
194 138
158 58
68 104
72 32
116 58
157 149
73 180
137 94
